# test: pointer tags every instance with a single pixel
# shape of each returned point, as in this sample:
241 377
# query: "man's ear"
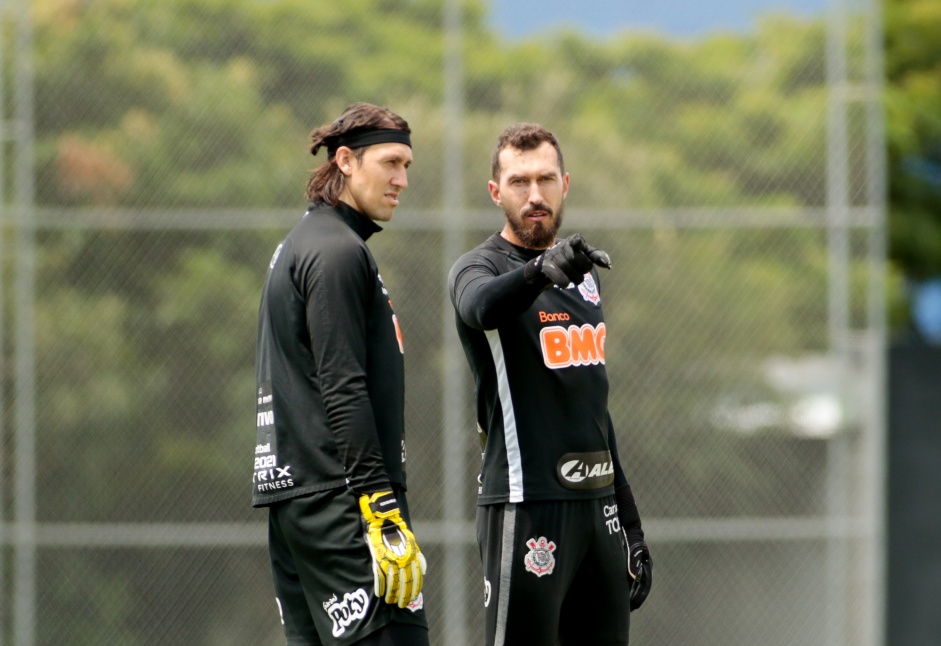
494 189
344 158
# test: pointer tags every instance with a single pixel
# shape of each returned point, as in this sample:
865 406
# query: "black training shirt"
538 362
329 364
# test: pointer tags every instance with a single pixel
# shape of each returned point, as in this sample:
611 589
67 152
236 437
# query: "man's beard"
536 235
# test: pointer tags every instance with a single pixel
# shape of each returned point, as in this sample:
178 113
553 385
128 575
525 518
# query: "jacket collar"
361 225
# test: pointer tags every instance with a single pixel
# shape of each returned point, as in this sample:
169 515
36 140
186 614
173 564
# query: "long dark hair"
327 181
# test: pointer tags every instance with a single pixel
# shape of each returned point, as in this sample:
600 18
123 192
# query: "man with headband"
561 544
329 459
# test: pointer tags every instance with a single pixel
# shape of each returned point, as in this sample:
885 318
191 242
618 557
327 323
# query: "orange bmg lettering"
572 346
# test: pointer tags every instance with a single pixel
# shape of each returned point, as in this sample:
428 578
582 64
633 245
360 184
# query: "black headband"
360 138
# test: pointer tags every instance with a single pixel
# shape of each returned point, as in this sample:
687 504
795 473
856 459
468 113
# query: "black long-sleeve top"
329 364
538 362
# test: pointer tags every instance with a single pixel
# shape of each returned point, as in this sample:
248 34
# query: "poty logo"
343 613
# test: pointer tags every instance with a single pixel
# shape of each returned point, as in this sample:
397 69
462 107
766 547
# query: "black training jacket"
539 369
329 364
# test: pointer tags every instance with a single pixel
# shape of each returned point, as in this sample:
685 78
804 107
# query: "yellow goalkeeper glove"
398 565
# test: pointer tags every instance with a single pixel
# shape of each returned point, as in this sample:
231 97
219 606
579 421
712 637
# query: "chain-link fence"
154 155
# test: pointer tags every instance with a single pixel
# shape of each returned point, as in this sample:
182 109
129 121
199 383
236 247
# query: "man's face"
373 185
531 191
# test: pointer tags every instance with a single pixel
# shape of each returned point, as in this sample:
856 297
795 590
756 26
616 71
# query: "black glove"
640 567
639 563
567 261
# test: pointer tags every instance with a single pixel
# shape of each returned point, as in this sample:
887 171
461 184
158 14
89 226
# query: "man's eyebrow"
547 175
395 158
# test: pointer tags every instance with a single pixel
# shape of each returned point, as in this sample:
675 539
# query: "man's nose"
535 196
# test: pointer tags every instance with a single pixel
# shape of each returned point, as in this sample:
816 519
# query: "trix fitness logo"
540 560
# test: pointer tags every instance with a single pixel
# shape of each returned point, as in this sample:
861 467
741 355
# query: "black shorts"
322 569
555 572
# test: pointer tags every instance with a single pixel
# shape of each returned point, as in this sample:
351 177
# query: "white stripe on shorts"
506 568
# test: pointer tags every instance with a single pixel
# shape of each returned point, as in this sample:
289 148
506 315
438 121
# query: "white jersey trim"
510 438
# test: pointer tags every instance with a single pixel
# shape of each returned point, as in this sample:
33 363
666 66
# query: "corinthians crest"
540 560
589 290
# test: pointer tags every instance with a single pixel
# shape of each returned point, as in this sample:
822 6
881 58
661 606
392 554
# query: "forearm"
628 514
483 300
338 341
627 506
620 479
353 426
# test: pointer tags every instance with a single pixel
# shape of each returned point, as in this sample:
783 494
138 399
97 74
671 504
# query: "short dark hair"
327 181
523 136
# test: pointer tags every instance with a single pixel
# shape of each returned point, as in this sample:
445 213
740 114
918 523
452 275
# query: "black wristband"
532 272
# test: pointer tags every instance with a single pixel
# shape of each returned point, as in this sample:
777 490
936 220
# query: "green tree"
913 113
146 336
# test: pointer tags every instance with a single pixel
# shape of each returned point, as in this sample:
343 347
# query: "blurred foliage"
913 133
156 104
177 104
145 337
